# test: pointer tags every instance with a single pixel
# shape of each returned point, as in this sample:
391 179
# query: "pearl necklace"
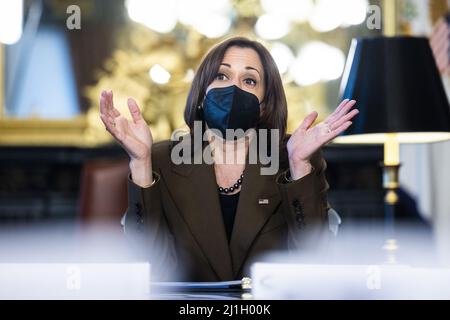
235 186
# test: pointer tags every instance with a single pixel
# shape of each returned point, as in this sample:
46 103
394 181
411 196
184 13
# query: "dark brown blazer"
180 217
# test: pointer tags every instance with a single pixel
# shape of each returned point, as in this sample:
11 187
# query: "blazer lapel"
194 191
259 199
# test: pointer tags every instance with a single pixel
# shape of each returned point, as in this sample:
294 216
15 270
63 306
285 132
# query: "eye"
250 82
221 76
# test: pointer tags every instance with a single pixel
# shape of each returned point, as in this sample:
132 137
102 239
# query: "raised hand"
307 139
134 136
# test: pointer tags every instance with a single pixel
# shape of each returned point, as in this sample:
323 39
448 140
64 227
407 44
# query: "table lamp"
401 99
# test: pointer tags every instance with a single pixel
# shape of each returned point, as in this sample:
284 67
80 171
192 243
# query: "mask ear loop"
199 108
201 117
199 112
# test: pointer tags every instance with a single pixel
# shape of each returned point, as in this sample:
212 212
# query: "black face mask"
230 108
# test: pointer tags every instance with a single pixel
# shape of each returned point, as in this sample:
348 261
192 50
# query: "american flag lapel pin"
263 201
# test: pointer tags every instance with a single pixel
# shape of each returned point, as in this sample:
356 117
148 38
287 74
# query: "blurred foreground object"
356 266
309 281
74 281
62 261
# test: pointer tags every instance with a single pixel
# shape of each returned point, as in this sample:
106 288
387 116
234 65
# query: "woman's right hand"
134 136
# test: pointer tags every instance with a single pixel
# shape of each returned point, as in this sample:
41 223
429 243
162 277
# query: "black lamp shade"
397 87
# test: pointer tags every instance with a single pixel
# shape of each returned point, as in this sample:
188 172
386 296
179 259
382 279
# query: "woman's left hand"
307 139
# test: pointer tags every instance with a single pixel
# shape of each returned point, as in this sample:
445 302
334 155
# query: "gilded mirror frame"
39 132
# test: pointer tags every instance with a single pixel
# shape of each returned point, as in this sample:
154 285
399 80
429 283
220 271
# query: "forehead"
242 57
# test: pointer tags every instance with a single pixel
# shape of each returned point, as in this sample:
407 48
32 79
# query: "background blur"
57 162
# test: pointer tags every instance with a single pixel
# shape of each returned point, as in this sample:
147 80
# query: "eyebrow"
247 67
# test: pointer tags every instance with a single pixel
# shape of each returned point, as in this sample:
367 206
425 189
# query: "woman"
210 221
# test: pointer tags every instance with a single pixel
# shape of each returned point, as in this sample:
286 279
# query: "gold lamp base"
391 168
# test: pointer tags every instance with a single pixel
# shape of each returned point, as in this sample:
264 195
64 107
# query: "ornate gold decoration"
38 132
126 72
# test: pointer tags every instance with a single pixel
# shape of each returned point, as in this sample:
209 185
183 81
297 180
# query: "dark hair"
274 112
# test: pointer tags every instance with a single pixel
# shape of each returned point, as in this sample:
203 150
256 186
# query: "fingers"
309 120
343 103
134 110
107 114
108 121
104 104
440 30
345 108
349 116
340 111
108 106
334 133
103 109
114 111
